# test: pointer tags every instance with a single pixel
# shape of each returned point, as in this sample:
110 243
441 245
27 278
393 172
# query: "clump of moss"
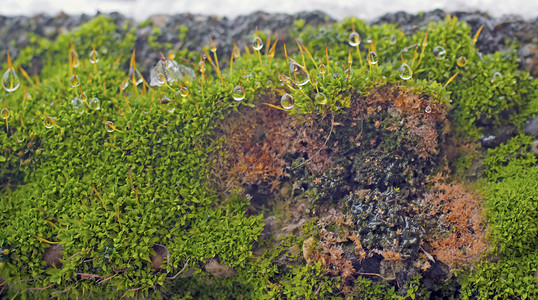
110 186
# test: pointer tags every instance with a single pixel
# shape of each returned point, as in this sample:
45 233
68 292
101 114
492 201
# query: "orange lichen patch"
462 212
257 140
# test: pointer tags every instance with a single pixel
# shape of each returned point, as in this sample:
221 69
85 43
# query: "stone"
219 270
532 127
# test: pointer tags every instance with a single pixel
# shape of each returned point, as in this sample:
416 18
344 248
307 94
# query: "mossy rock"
137 195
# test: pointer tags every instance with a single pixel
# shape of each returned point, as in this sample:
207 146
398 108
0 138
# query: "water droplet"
73 58
368 39
439 52
124 84
238 93
405 71
354 39
392 39
83 97
94 104
322 69
287 101
5 113
165 100
285 80
372 58
48 122
462 61
236 52
201 66
299 74
428 109
320 99
109 126
94 57
183 92
78 104
213 48
74 81
134 75
496 76
10 80
257 85
257 43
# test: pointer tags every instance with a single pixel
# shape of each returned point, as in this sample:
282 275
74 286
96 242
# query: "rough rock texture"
493 37
226 31
532 127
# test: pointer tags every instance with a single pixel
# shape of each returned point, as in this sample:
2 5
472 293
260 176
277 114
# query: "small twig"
319 288
3 287
375 274
77 254
88 276
129 290
174 277
428 255
41 289
64 291
108 278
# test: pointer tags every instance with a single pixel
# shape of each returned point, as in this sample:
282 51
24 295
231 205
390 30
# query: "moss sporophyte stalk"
196 182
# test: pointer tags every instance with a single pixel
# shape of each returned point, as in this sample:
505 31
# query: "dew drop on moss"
48 122
354 39
78 104
428 109
285 80
405 72
439 52
94 104
238 93
165 100
496 76
134 75
10 80
257 43
287 101
109 126
462 61
368 39
74 81
5 113
201 66
183 92
124 84
73 58
320 99
322 69
94 57
372 58
299 74
236 52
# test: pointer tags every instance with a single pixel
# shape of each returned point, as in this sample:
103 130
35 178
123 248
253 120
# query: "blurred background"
367 10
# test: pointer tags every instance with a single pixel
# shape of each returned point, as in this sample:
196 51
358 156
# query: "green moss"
512 200
108 194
